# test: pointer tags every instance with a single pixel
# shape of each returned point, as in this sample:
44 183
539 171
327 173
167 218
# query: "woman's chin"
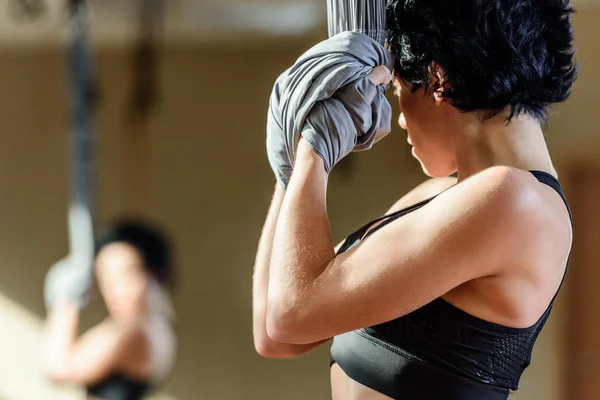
433 172
426 172
423 165
436 173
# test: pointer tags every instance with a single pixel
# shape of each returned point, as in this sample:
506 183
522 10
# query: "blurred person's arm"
263 344
100 352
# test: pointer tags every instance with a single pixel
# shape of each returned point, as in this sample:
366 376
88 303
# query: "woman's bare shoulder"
503 194
426 190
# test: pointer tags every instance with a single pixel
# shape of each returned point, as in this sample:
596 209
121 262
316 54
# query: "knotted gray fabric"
327 98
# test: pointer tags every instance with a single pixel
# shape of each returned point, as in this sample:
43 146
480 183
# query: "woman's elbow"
284 325
56 374
263 347
265 342
271 333
267 348
59 372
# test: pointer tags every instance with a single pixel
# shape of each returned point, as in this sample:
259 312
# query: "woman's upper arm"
412 261
99 353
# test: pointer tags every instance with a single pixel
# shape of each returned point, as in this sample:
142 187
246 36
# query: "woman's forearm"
303 245
260 283
61 333
263 344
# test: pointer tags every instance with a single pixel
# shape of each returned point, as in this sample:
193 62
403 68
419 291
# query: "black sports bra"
119 387
438 351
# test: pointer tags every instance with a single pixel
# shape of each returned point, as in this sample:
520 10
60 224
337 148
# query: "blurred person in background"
132 351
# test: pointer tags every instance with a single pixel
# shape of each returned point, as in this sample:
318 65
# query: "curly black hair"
492 54
149 240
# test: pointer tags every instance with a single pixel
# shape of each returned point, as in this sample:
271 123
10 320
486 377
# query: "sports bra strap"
551 181
364 232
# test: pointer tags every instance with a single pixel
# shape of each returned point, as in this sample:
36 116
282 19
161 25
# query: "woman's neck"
480 145
140 314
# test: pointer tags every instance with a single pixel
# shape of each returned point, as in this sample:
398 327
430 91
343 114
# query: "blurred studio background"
183 90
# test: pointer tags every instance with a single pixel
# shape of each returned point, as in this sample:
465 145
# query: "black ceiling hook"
146 90
27 10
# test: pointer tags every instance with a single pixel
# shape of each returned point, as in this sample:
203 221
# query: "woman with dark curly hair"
444 296
132 351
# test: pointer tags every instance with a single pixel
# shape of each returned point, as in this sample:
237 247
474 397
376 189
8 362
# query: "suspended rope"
27 10
71 278
82 103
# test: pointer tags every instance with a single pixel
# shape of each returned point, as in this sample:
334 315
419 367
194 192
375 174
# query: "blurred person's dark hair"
151 241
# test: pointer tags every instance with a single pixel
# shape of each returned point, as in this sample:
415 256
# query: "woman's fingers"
380 75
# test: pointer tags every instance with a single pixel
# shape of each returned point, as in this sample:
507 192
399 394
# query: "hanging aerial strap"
82 152
364 16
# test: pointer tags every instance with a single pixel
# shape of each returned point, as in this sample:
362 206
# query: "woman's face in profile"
122 280
426 126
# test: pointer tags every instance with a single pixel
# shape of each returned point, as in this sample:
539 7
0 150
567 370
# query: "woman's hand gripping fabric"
334 97
348 121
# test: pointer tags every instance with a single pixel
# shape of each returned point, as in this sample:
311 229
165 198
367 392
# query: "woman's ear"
439 83
438 97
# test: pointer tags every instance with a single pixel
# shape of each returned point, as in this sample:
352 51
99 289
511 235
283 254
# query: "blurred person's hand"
69 279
